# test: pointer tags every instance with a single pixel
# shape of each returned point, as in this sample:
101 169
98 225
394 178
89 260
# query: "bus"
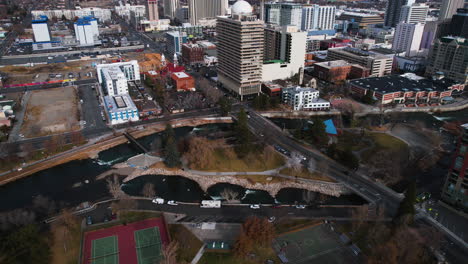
210 204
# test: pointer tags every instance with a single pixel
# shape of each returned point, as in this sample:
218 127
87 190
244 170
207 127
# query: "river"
74 182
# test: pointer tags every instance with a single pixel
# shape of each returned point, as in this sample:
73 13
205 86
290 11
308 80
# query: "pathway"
14 134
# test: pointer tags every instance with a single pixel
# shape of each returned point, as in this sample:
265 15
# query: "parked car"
300 206
172 202
254 206
271 219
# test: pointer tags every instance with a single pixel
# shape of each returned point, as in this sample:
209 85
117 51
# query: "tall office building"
459 24
449 8
284 14
153 13
455 189
448 55
240 50
170 8
316 17
393 11
415 13
408 38
201 9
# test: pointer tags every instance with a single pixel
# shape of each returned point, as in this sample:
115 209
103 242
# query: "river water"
74 182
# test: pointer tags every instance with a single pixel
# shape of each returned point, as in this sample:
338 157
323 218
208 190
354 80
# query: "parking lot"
90 105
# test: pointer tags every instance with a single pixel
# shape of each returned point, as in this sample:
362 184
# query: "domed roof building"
241 7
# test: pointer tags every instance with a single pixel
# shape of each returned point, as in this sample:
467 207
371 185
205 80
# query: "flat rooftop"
333 64
181 75
402 83
119 103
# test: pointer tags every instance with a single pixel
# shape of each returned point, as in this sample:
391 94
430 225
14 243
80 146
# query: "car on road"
89 220
172 202
300 206
21 135
158 200
271 219
254 206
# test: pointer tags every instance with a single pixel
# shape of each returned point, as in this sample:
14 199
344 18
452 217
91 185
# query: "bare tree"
322 166
170 253
230 195
294 162
17 217
358 215
212 93
148 190
44 204
113 185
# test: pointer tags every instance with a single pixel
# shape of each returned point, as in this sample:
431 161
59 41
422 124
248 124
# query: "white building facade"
283 14
316 17
115 76
100 13
413 14
41 30
290 53
408 38
120 109
87 31
204 9
170 8
304 99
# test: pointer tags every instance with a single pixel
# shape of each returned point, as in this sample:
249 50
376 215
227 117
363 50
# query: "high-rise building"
459 24
393 11
202 9
240 50
170 8
449 55
408 38
429 34
316 17
284 14
153 13
41 29
284 52
449 8
455 189
415 13
174 41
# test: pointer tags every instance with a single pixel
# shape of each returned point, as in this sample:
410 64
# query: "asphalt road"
91 110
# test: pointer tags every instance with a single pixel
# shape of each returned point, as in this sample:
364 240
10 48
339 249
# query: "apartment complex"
393 11
283 14
408 38
455 191
120 109
316 17
114 77
449 55
284 52
304 99
459 24
240 50
202 9
413 14
379 64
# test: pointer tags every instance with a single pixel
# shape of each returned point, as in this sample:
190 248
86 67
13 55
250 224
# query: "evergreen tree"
171 154
25 245
317 131
242 134
348 159
225 105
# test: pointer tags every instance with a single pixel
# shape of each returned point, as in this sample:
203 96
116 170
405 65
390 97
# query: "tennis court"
105 251
312 245
148 245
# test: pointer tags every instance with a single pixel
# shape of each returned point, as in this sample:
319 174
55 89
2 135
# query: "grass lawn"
384 142
252 162
189 244
261 256
66 244
306 174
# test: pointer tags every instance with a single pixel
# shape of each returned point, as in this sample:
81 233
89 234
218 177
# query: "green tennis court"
105 251
148 245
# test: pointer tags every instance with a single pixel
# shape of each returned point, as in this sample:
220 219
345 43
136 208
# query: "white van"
158 201
210 204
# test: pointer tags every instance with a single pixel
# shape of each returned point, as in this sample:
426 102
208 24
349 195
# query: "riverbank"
92 149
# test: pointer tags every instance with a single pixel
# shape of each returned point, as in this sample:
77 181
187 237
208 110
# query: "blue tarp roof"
330 127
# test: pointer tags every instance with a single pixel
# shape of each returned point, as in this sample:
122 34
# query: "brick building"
455 189
339 70
272 89
334 43
193 54
407 89
183 82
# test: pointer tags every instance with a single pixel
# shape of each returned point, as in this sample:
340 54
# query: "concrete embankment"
298 114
